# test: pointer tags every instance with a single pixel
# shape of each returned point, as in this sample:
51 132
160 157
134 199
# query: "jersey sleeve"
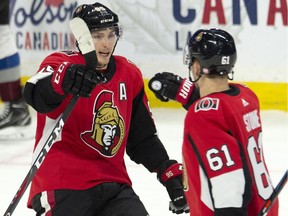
38 91
144 146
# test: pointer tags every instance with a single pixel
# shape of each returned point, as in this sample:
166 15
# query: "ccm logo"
57 77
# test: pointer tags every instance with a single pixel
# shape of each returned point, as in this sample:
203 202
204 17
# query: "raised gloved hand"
75 79
170 174
167 86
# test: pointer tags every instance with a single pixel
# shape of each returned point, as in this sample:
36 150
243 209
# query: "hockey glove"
167 86
75 79
170 174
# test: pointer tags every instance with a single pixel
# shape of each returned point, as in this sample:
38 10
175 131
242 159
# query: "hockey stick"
41 156
85 43
274 195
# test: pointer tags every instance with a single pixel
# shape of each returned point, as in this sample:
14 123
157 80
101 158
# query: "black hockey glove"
75 79
80 81
167 86
170 174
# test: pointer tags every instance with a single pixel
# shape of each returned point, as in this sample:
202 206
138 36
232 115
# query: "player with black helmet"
224 167
84 173
214 49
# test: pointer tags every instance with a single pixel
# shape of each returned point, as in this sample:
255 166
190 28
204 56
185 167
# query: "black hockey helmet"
215 50
97 16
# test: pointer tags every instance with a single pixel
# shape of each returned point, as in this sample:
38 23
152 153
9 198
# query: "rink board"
272 96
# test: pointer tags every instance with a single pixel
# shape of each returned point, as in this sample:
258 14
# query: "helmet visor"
187 58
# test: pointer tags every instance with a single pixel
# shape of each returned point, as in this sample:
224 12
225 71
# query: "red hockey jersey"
223 159
90 149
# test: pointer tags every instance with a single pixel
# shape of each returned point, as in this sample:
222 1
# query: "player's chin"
103 60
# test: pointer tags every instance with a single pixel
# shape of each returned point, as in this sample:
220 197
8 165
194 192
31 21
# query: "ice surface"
15 159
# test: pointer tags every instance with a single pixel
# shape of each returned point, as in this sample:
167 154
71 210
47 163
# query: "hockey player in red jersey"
84 173
224 168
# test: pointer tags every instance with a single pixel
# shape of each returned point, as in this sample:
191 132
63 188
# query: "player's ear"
197 68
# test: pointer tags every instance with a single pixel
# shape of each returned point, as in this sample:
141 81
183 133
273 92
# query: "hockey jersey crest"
107 131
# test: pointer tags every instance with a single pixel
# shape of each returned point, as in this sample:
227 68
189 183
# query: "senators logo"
107 131
207 104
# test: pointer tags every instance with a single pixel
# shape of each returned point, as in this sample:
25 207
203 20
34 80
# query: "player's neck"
209 86
101 67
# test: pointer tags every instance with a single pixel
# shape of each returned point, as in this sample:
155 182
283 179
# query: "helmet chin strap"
192 78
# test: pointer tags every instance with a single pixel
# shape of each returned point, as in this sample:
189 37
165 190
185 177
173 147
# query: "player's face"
104 42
